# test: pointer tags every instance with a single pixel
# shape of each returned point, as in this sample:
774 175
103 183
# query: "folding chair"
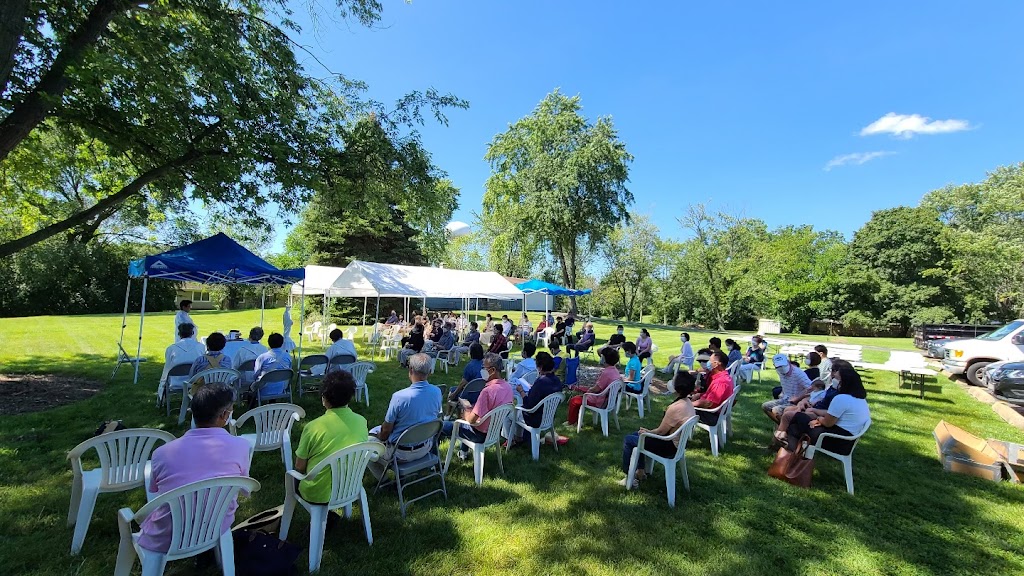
274 377
306 365
164 396
413 437
124 358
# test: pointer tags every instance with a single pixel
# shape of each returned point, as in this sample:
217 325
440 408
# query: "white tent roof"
367 279
318 280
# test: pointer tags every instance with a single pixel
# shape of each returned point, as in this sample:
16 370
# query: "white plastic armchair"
717 430
544 338
498 418
197 513
846 459
612 393
221 375
360 371
347 468
549 407
682 434
728 429
643 397
273 429
124 465
734 369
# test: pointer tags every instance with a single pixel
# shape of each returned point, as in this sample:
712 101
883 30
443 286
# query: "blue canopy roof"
215 260
535 286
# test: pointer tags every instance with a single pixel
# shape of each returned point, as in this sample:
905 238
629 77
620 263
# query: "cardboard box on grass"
963 452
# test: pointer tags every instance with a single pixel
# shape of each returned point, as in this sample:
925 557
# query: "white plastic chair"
728 429
221 375
717 431
323 333
544 338
846 459
644 396
678 460
273 429
650 359
350 334
612 393
359 372
197 515
497 419
547 423
124 465
347 468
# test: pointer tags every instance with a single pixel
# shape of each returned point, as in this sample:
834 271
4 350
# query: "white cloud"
856 159
907 125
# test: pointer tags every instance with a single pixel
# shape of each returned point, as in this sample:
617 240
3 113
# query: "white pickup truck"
970 357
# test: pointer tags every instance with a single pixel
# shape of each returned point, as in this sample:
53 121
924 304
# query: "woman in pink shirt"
207 451
609 374
644 344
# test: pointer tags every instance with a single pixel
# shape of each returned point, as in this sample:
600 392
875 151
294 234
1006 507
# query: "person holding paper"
547 384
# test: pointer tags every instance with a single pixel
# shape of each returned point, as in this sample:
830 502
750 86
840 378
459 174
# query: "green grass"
562 515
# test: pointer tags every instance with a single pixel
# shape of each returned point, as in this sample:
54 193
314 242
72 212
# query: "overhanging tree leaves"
566 175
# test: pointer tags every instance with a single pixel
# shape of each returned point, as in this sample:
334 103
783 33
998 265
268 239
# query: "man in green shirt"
338 428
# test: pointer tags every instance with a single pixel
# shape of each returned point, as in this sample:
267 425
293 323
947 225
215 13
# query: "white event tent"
371 280
318 282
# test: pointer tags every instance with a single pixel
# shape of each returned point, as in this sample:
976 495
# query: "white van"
970 357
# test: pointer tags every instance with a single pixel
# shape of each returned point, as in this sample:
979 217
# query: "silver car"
1005 380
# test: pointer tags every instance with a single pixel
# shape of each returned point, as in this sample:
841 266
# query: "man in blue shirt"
275 359
631 377
416 404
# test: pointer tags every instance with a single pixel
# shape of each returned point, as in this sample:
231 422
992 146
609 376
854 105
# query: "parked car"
970 357
935 347
926 333
1005 380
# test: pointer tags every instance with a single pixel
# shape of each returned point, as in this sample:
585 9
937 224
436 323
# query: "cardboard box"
960 451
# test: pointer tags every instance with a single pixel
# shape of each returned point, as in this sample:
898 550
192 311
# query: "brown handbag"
793 467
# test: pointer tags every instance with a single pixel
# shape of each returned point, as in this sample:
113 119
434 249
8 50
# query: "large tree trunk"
106 205
47 93
12 28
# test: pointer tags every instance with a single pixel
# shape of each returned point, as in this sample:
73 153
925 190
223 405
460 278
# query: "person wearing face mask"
609 373
644 345
794 383
616 340
753 358
496 393
819 396
846 415
719 388
683 359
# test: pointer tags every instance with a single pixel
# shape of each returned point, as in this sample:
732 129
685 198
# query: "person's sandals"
781 436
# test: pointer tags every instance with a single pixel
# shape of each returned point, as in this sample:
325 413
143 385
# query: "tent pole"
364 311
263 304
302 317
142 318
124 317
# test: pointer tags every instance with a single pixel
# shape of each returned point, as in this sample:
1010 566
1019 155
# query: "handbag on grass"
258 551
793 467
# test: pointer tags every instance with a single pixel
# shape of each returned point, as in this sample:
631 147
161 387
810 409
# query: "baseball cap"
781 361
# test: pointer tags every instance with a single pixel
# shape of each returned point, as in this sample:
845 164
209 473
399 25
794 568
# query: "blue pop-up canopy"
542 287
214 260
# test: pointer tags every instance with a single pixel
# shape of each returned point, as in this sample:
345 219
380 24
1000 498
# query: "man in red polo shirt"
719 389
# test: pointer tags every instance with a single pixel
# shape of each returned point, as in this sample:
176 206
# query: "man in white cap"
794 383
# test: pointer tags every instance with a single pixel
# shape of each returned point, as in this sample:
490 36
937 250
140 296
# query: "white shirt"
506 327
825 371
687 353
183 351
249 350
180 318
851 413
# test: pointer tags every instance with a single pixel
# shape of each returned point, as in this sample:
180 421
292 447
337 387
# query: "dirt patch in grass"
22 393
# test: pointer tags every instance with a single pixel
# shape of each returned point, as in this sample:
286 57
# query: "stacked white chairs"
548 407
643 397
846 459
273 429
347 468
124 465
197 514
498 419
221 375
682 434
611 407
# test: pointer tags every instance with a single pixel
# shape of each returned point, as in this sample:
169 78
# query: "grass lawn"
562 515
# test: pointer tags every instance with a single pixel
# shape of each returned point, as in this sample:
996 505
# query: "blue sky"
739 104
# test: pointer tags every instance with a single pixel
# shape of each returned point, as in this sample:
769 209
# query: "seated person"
206 451
547 384
733 350
558 337
681 360
472 371
274 359
527 364
586 340
616 341
753 359
471 338
499 344
644 345
506 326
214 356
341 345
497 392
677 413
525 327
338 428
609 374
631 376
184 351
392 319
418 403
846 415
411 344
540 328
813 366
249 350
719 388
794 384
447 339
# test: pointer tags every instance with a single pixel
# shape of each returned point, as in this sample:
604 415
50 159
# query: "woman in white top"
846 415
683 359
